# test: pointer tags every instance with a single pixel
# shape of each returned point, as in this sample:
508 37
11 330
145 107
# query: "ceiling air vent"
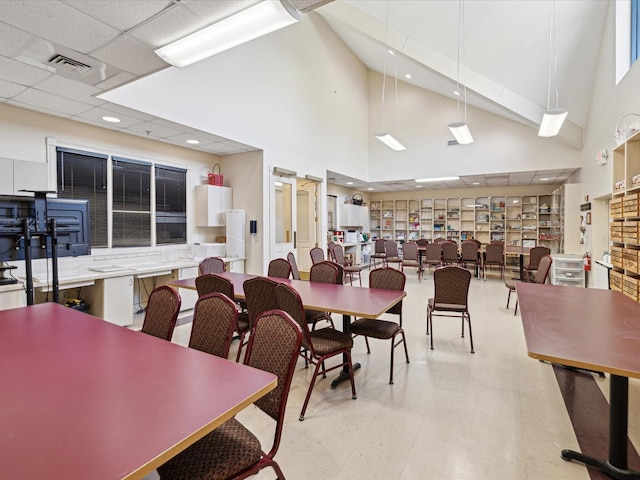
63 61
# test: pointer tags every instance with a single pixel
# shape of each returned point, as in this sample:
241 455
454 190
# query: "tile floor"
495 414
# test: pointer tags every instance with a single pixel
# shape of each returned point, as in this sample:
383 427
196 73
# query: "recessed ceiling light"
436 179
407 75
456 92
475 183
391 52
370 188
515 201
193 141
544 179
111 119
349 183
418 186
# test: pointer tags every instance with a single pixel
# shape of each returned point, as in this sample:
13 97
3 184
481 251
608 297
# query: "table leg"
616 466
344 373
521 264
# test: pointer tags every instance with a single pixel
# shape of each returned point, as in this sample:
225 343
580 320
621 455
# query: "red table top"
581 327
83 398
347 300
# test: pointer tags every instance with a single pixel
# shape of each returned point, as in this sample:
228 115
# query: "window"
635 30
140 195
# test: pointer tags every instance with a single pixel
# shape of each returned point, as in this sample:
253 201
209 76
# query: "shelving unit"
567 270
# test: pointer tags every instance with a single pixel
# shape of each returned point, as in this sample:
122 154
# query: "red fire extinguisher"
587 261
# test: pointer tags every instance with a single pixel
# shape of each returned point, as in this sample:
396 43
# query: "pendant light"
552 119
384 136
460 130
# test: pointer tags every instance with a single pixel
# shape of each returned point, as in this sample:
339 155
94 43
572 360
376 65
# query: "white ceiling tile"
13 40
116 80
131 55
183 137
9 89
129 112
225 148
21 73
96 114
172 25
52 102
38 108
68 88
121 18
57 22
157 131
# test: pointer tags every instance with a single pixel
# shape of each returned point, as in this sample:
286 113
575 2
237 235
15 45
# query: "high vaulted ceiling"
504 62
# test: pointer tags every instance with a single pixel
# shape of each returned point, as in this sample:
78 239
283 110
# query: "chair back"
211 265
295 273
279 268
433 253
214 321
410 251
423 242
162 312
391 249
260 296
440 240
494 254
211 283
325 272
379 246
330 247
389 279
289 301
273 347
497 242
543 269
451 286
338 254
535 255
469 250
317 255
449 252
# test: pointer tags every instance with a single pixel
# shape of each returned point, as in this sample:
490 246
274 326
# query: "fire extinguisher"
587 261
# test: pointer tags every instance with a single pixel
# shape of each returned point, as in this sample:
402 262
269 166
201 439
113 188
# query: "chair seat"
243 322
227 450
393 259
511 284
353 268
327 340
411 263
381 329
379 255
446 307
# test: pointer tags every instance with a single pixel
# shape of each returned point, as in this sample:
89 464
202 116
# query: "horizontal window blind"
171 205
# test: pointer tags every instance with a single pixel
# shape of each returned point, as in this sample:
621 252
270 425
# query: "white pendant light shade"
460 131
552 122
264 17
389 141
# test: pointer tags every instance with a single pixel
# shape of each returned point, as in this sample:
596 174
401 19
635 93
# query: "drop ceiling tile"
225 148
172 25
58 23
183 137
131 55
21 73
52 102
130 112
157 131
216 11
120 18
9 89
65 87
96 114
37 108
13 40
116 80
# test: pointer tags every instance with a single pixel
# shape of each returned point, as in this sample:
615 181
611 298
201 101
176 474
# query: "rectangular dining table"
84 398
520 252
341 299
590 329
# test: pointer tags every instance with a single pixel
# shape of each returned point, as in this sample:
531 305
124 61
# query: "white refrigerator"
235 233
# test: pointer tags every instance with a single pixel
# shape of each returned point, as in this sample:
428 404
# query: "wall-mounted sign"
585 207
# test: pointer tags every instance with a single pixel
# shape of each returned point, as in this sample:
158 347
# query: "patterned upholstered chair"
295 274
422 242
318 345
535 256
493 257
541 275
279 268
450 253
433 254
387 279
410 258
470 255
260 296
211 265
451 298
323 272
214 321
317 255
378 252
348 270
391 253
162 312
232 451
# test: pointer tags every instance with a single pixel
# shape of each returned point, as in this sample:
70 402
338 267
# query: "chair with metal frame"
260 296
469 254
493 257
163 307
410 258
295 273
378 252
348 270
317 255
214 321
391 254
211 265
535 256
541 275
279 268
450 253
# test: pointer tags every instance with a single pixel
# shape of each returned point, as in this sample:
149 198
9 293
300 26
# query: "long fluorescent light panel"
552 122
390 142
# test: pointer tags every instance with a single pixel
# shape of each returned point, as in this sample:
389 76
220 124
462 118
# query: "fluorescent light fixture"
389 141
111 119
552 120
370 188
475 183
544 179
407 75
436 179
460 131
349 183
256 21
391 52
193 141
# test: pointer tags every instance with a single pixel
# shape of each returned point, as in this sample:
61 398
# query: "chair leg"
428 311
515 312
508 298
393 347
470 333
366 340
242 335
462 334
431 326
311 385
352 376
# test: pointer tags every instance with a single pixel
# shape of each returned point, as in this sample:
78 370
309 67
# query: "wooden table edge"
583 365
167 455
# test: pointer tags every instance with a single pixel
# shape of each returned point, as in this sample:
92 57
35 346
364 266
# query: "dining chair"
260 296
422 242
540 276
323 272
232 451
162 312
317 255
317 345
433 254
391 253
295 273
211 265
385 279
330 246
214 321
440 240
451 297
470 255
410 258
493 257
497 242
279 268
348 270
535 256
378 252
450 253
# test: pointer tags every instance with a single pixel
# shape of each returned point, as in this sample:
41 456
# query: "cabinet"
112 299
353 215
211 204
567 270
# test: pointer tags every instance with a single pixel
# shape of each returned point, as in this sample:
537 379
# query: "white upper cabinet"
212 202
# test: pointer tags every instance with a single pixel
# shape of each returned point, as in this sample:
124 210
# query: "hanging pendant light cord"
553 56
